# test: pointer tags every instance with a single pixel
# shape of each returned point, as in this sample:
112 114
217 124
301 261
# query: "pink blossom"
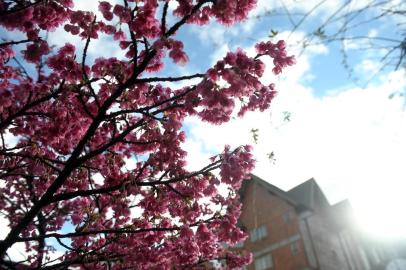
82 117
119 35
35 51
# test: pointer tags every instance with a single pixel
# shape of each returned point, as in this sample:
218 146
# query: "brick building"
299 230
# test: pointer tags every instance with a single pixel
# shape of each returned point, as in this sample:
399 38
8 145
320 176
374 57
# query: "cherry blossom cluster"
242 75
98 173
36 17
277 52
226 12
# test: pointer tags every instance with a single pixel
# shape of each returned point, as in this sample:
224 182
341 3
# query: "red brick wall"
260 207
284 260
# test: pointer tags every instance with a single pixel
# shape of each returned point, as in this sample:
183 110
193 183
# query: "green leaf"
273 33
271 157
320 33
286 116
254 132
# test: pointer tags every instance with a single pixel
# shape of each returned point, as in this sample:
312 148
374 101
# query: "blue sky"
346 133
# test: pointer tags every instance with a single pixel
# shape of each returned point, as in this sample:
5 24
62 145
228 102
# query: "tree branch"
12 42
86 193
74 162
29 105
94 232
171 79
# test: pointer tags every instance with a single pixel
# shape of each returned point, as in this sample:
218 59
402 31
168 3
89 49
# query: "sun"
381 216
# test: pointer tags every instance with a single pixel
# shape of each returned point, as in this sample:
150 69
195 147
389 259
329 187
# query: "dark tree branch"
133 39
163 21
12 42
171 79
84 73
41 226
23 69
94 232
29 105
46 161
148 108
177 25
83 259
74 161
106 190
128 230
17 9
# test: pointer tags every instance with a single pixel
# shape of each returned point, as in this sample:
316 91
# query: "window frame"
264 262
295 248
259 233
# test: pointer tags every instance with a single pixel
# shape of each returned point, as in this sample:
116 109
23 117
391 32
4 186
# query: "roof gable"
268 187
309 194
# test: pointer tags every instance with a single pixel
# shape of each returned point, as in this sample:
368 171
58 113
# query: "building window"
294 248
258 233
287 217
264 262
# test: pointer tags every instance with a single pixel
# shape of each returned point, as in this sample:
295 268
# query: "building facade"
299 230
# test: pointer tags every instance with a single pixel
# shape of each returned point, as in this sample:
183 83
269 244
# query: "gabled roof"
309 194
269 187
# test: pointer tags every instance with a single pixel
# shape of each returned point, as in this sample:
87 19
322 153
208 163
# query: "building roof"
309 194
269 187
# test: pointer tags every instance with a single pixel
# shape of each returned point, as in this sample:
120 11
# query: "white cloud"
219 53
367 66
302 6
4 229
197 155
207 139
90 6
218 34
11 140
17 251
214 34
104 46
351 141
350 44
54 257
